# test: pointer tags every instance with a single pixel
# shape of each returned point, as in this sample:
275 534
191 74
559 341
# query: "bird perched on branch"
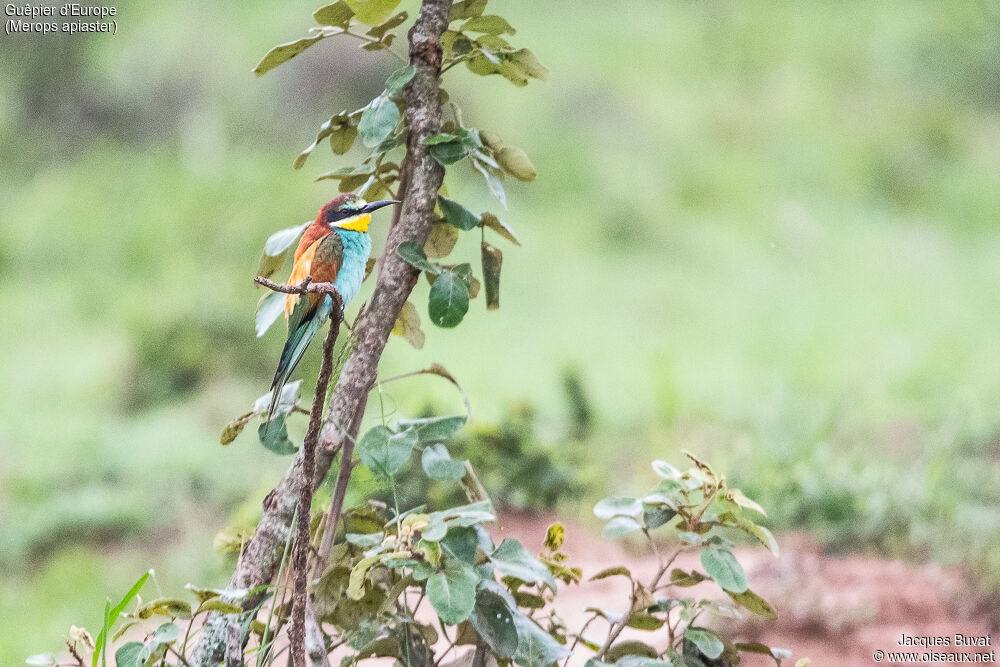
334 249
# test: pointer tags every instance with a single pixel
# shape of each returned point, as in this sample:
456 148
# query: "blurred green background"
766 232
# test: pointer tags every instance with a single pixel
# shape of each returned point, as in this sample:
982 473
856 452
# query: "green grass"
763 233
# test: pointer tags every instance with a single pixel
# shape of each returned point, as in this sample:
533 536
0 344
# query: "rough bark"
422 118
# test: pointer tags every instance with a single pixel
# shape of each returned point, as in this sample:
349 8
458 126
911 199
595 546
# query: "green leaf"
286 399
679 577
359 574
764 536
449 152
755 603
372 12
342 138
127 655
283 53
618 526
114 612
235 427
500 227
555 536
630 647
529 600
467 9
414 255
283 239
492 180
172 607
527 63
337 14
654 517
453 592
494 621
737 497
379 31
449 300
461 542
438 523
512 559
643 621
492 262
385 452
515 162
441 241
706 641
167 633
434 429
366 540
438 464
490 24
642 661
274 436
618 570
407 325
618 506
220 606
443 138
722 566
458 215
666 470
378 121
45 658
400 77
271 264
536 647
270 309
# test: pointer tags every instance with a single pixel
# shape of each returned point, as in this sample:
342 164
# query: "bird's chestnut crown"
348 211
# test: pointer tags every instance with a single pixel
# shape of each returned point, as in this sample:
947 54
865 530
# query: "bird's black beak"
376 205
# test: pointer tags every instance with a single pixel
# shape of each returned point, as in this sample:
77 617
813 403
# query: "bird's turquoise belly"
357 249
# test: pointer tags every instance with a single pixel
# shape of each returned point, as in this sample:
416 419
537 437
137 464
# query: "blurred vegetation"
766 233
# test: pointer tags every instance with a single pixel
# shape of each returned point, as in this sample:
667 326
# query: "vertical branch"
422 175
300 557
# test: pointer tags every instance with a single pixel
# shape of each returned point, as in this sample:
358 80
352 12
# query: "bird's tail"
302 327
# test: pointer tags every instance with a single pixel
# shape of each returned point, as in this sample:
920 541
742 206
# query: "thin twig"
300 557
179 656
616 628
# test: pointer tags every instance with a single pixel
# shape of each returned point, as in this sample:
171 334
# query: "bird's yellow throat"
358 223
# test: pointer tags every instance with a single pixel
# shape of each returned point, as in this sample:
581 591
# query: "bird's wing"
321 260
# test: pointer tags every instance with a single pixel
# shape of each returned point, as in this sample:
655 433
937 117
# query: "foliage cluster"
394 571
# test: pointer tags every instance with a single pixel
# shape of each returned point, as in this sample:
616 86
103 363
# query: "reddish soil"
835 610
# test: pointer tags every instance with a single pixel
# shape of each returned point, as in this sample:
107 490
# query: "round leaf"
372 12
494 622
515 162
283 53
438 464
385 452
452 593
618 526
378 121
457 214
449 300
722 566
618 506
706 641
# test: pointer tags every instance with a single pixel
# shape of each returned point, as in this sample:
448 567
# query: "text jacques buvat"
68 18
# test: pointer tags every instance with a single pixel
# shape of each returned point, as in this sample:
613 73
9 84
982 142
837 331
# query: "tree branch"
422 176
300 557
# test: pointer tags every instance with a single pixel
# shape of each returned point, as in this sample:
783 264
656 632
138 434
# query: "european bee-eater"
333 249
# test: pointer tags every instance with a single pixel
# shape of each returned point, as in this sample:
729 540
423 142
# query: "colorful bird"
333 249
